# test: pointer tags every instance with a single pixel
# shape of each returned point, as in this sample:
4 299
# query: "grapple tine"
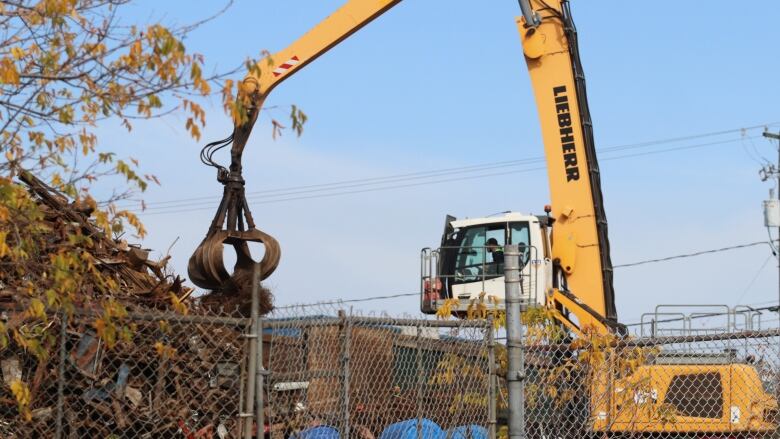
206 266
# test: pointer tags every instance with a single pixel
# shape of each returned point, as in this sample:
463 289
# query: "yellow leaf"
178 306
17 52
4 249
8 72
37 309
22 394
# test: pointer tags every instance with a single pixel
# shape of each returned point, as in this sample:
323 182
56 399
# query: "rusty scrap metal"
140 282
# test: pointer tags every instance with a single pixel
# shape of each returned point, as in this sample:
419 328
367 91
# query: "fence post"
248 413
514 342
492 382
261 372
345 329
418 356
61 373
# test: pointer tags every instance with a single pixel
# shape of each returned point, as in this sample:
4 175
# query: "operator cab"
470 261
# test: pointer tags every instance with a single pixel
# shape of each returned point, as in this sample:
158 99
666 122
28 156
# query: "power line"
690 255
649 261
185 208
439 172
755 277
435 173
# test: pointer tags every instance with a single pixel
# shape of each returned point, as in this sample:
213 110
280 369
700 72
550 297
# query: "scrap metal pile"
140 281
168 382
172 377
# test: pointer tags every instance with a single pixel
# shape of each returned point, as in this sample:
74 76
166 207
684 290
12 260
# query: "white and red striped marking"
287 65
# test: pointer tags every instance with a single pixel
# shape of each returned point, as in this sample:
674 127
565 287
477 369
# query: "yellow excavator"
567 266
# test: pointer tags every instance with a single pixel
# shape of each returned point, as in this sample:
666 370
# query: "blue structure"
408 430
472 431
320 432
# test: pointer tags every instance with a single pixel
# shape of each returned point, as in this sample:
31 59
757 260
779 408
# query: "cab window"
472 261
471 251
519 234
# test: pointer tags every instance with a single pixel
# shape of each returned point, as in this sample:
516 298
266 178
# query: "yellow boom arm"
580 246
274 69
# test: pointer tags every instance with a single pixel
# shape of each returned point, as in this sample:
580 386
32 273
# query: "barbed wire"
340 301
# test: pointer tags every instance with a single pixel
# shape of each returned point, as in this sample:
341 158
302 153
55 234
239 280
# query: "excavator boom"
274 69
233 223
580 247
345 21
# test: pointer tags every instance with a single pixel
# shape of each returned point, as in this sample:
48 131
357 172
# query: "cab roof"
499 218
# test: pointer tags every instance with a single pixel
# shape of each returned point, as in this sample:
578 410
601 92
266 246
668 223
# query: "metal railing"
687 319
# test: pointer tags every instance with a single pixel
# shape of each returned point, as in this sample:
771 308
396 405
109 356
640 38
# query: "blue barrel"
472 431
408 430
320 432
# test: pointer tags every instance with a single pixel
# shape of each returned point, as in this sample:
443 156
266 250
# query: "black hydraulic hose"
593 166
208 151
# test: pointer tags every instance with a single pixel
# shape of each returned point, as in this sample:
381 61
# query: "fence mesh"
343 375
365 375
718 385
187 376
175 376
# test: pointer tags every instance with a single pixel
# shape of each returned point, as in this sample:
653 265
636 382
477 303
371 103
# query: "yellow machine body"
692 398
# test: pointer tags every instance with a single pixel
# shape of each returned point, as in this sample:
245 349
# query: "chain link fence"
373 377
190 377
174 377
715 385
327 373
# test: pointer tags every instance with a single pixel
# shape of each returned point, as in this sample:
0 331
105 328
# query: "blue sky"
439 84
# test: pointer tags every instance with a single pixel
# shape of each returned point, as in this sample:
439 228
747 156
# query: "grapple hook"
206 266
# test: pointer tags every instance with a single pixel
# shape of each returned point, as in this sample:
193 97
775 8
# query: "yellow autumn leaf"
4 249
8 72
178 305
37 309
445 311
22 394
17 52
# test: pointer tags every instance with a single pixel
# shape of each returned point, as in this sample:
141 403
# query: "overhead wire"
755 277
337 302
331 186
318 193
754 155
649 261
690 255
